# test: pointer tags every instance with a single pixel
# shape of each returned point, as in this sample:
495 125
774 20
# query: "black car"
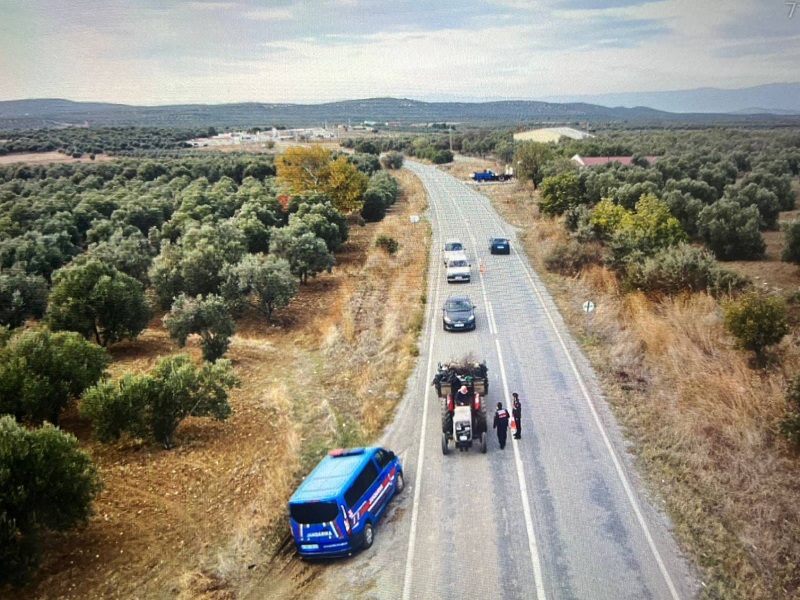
459 314
499 245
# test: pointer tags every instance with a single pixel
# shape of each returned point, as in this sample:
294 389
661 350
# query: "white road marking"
523 490
412 539
490 318
588 398
526 509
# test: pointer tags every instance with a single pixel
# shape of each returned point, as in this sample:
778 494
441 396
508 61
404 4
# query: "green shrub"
757 322
46 483
153 405
392 160
41 372
682 268
374 208
791 246
732 232
570 258
389 244
208 317
559 193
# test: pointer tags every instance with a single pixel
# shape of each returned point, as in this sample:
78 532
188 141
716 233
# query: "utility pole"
450 129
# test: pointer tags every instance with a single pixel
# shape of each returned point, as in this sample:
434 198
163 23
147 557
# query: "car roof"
499 237
458 299
333 475
458 256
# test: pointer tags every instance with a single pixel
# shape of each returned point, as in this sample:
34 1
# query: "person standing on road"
501 424
516 410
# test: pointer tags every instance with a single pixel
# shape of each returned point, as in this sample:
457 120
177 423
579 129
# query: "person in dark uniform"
516 410
501 424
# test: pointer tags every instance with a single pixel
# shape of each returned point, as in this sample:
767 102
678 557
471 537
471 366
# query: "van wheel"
369 536
399 483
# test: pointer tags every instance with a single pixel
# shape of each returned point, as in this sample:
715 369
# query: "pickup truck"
487 175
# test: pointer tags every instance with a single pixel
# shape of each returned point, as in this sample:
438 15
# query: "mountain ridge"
60 112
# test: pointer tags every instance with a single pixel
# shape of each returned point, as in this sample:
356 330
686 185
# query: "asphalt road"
559 514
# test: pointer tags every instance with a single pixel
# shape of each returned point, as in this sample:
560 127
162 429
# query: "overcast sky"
197 51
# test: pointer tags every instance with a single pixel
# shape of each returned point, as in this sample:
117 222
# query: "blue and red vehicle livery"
335 509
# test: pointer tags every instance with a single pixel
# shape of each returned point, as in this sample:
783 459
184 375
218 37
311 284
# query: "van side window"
383 459
362 483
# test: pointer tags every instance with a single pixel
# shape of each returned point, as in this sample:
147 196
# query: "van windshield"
458 263
314 512
453 247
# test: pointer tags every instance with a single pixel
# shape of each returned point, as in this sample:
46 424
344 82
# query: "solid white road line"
523 490
412 539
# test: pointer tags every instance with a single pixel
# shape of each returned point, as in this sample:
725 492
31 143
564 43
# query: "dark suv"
459 313
499 245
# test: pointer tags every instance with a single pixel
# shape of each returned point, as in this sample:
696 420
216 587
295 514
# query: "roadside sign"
588 306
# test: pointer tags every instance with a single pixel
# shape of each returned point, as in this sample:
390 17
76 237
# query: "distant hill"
17 114
773 98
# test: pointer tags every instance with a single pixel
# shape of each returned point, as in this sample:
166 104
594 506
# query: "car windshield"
314 512
454 247
460 305
500 240
458 263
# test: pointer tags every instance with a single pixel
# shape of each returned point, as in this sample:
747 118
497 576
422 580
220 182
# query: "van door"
319 526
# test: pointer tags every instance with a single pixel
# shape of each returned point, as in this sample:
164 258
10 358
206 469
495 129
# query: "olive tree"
41 371
208 317
22 296
306 253
266 282
154 404
97 301
47 483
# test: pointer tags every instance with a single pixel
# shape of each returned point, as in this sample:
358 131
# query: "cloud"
269 14
210 5
148 51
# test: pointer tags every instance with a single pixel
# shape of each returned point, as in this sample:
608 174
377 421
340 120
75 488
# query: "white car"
452 247
458 268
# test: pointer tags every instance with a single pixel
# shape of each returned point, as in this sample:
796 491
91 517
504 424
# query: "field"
702 421
206 519
41 158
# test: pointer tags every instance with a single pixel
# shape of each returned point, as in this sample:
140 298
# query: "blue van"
334 511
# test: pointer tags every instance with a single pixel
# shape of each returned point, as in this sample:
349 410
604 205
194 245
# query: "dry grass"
207 519
703 420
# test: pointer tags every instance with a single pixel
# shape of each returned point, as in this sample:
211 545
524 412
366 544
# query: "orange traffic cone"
513 425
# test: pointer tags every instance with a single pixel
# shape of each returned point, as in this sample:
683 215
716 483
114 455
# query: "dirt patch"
40 158
207 519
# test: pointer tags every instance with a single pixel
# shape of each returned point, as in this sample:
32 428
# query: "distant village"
274 134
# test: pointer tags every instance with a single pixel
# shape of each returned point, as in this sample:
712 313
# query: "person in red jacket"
501 417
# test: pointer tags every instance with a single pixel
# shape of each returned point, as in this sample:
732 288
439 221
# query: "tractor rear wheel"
444 444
